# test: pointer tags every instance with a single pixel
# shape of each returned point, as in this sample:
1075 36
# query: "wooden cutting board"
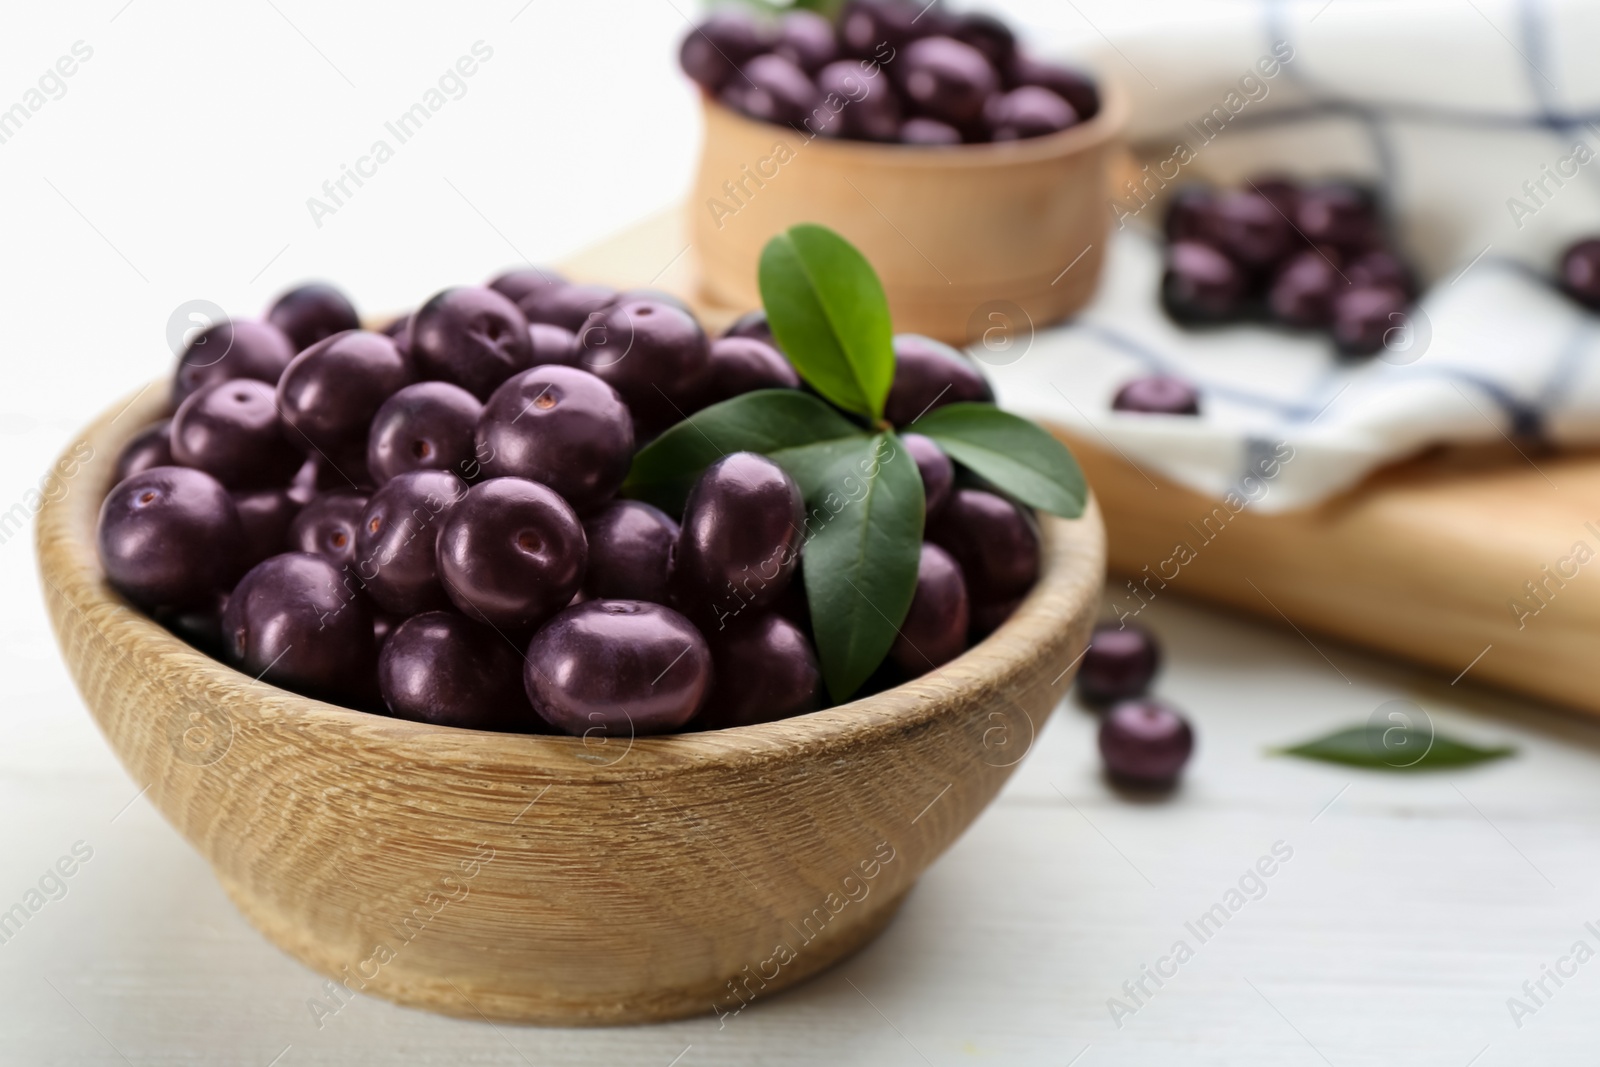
1482 564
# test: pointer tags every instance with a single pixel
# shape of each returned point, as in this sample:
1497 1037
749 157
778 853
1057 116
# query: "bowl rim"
1104 125
1072 570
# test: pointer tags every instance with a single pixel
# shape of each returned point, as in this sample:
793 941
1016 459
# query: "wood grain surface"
557 879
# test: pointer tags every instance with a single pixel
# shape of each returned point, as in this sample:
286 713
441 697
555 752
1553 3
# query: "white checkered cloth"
1448 108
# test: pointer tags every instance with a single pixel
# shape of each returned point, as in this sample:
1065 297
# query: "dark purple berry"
426 426
870 109
1303 292
1341 215
516 285
264 516
150 447
1282 193
383 624
231 430
773 89
630 552
567 306
1580 272
232 349
1145 743
511 553
1186 213
987 618
552 344
309 313
714 51
989 35
170 537
1381 269
740 365
1030 111
929 374
617 668
560 426
1075 88
1120 663
1364 318
938 473
928 132
653 353
740 541
440 668
993 541
1249 228
329 526
1158 394
752 324
946 79
395 544
765 670
935 628
472 337
806 39
292 622
1201 284
329 394
879 29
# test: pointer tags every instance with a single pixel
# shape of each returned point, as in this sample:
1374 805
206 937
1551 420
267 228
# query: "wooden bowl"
957 234
555 879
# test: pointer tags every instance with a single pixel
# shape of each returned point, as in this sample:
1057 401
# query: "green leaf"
863 543
829 314
1019 456
1372 746
774 422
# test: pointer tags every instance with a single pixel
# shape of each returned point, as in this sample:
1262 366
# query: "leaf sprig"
863 494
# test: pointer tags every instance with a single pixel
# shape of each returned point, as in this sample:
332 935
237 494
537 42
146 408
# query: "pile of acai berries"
425 521
889 71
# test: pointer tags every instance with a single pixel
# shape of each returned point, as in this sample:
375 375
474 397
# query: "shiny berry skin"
328 395
231 430
1145 743
1340 215
938 473
740 541
928 132
752 324
232 349
426 426
1186 213
1379 268
992 540
740 365
1364 318
328 527
630 552
1303 292
309 313
653 353
150 447
714 51
1201 284
1120 663
1073 87
617 668
264 516
946 79
806 39
383 624
1283 193
516 285
765 670
1158 394
989 35
170 537
472 337
935 628
1249 228
567 306
871 111
395 544
866 26
442 669
1030 111
1580 272
552 344
773 89
292 622
560 426
929 374
511 553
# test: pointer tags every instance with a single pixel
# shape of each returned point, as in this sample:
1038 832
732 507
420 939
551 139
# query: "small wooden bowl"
955 233
554 879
